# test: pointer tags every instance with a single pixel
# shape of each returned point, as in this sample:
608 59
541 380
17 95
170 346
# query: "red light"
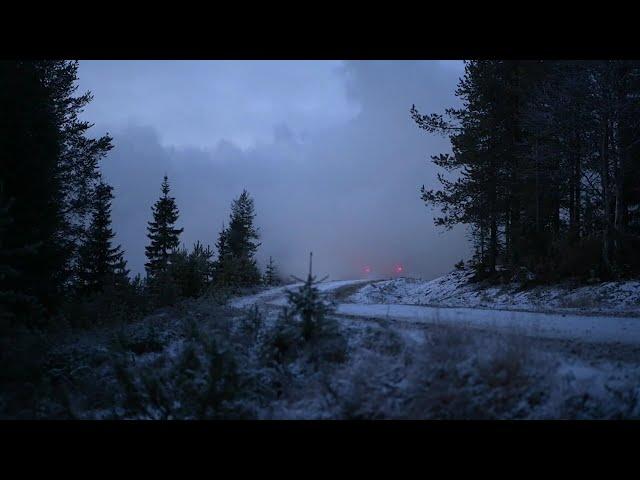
399 269
367 269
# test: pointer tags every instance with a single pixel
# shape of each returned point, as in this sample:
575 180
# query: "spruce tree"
78 156
242 239
311 307
30 178
49 171
222 267
101 263
271 274
163 236
236 265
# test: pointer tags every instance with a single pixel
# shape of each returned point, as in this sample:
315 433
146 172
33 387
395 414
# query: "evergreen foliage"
30 178
237 244
164 238
192 271
544 166
11 300
101 263
49 172
271 277
310 306
79 155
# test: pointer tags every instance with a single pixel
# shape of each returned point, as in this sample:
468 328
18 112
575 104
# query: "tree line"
174 272
544 167
57 251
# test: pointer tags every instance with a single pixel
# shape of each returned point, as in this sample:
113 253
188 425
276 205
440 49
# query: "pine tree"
222 245
472 198
49 170
236 265
78 158
163 236
242 239
271 274
222 267
545 159
101 263
487 134
30 177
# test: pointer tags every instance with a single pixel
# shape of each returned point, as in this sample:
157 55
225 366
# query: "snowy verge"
455 290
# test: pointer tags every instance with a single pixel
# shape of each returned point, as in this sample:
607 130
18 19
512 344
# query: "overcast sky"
326 148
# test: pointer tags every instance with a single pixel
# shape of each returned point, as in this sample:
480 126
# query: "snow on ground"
454 290
247 301
448 349
399 362
277 296
539 312
546 325
334 285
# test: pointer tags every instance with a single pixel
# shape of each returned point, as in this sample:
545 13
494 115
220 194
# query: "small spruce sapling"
310 306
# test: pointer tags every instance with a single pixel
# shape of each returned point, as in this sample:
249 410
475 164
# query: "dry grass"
343 293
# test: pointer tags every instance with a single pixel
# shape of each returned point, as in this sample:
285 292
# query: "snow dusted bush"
452 375
251 325
201 382
199 360
306 328
312 310
383 340
282 340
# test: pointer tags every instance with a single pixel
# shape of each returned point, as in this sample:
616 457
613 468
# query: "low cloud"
349 192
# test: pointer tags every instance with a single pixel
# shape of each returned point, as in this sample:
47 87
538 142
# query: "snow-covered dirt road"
596 329
278 295
585 328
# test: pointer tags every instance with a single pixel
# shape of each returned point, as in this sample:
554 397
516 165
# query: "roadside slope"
455 290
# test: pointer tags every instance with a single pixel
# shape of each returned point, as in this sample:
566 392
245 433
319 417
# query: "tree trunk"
606 197
577 191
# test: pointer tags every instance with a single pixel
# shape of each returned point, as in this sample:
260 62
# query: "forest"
542 173
544 168
59 260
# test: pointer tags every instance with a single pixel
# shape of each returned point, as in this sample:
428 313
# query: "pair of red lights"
396 269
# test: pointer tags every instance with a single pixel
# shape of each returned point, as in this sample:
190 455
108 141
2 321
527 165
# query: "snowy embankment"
607 312
604 313
414 361
454 290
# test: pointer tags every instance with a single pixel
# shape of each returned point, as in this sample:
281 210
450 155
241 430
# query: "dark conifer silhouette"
545 162
100 262
271 277
163 236
237 244
310 305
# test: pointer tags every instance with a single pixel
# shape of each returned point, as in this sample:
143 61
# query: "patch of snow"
587 328
247 301
456 290
277 296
